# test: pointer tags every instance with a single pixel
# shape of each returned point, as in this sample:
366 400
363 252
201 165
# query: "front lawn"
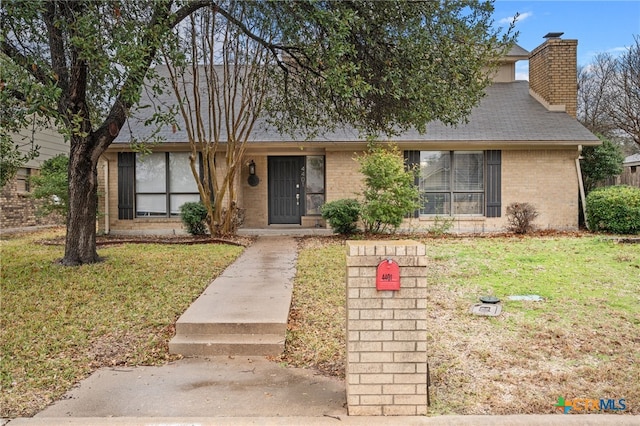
58 324
582 341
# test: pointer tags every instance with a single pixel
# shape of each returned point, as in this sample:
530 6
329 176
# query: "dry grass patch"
582 341
58 324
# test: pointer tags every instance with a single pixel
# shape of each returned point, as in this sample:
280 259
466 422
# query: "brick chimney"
553 71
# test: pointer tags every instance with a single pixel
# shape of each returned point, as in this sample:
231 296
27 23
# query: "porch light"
253 179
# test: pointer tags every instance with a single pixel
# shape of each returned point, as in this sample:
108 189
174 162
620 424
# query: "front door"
286 194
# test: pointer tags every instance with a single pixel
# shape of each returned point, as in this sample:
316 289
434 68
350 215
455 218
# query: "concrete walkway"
245 310
242 389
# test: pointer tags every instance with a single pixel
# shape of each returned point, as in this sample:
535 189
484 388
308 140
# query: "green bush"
600 162
51 186
614 209
390 193
194 216
342 215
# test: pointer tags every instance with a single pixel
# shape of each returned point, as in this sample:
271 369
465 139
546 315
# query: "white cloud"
618 50
521 17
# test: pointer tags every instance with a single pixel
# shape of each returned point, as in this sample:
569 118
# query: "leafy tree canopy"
600 162
382 66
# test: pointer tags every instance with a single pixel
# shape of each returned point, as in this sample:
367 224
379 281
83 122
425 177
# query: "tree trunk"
80 244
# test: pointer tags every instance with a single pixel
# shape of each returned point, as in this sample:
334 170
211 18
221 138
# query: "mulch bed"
110 240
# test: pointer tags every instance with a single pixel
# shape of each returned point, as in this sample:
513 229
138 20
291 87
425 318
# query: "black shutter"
494 183
126 181
412 161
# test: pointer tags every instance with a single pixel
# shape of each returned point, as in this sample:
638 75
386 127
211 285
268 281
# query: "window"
314 185
22 180
452 182
163 182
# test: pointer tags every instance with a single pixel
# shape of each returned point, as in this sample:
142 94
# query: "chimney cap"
553 35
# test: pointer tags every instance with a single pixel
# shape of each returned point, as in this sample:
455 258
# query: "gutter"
106 196
581 184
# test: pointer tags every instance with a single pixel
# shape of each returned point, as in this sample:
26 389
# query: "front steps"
209 339
228 344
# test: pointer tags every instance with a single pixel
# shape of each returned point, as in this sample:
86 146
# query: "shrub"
440 226
520 217
194 216
51 186
600 162
342 215
614 209
390 193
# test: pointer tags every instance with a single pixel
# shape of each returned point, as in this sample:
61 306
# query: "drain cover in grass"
486 309
489 299
530 297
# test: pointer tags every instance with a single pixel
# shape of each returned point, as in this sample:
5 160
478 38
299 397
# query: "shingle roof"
632 160
518 51
507 113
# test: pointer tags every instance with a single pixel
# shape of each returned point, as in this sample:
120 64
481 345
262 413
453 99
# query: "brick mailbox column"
386 331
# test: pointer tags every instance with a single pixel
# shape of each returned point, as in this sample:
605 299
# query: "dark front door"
285 190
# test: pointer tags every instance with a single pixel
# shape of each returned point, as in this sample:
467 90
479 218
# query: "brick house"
521 144
17 208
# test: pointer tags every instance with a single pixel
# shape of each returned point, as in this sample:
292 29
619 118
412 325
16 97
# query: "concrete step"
227 344
214 328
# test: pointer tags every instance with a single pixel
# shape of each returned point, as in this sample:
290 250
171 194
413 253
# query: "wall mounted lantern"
253 179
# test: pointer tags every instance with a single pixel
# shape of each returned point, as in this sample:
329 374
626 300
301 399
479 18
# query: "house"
630 173
521 144
17 207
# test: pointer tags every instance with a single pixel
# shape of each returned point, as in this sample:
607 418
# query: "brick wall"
553 74
548 180
18 209
254 198
386 331
343 180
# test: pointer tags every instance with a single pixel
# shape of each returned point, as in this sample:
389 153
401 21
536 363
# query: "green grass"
313 337
60 323
593 271
583 340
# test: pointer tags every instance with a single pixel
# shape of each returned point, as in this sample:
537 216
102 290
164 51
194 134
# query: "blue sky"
599 26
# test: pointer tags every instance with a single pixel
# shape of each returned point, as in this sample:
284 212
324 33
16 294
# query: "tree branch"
24 62
117 116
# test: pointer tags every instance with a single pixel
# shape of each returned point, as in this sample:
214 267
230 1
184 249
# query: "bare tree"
220 86
624 110
594 93
609 94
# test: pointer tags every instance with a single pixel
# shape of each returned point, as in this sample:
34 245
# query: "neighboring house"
630 173
521 144
17 207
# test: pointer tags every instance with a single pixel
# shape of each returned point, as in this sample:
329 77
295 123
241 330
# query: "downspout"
581 184
106 196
